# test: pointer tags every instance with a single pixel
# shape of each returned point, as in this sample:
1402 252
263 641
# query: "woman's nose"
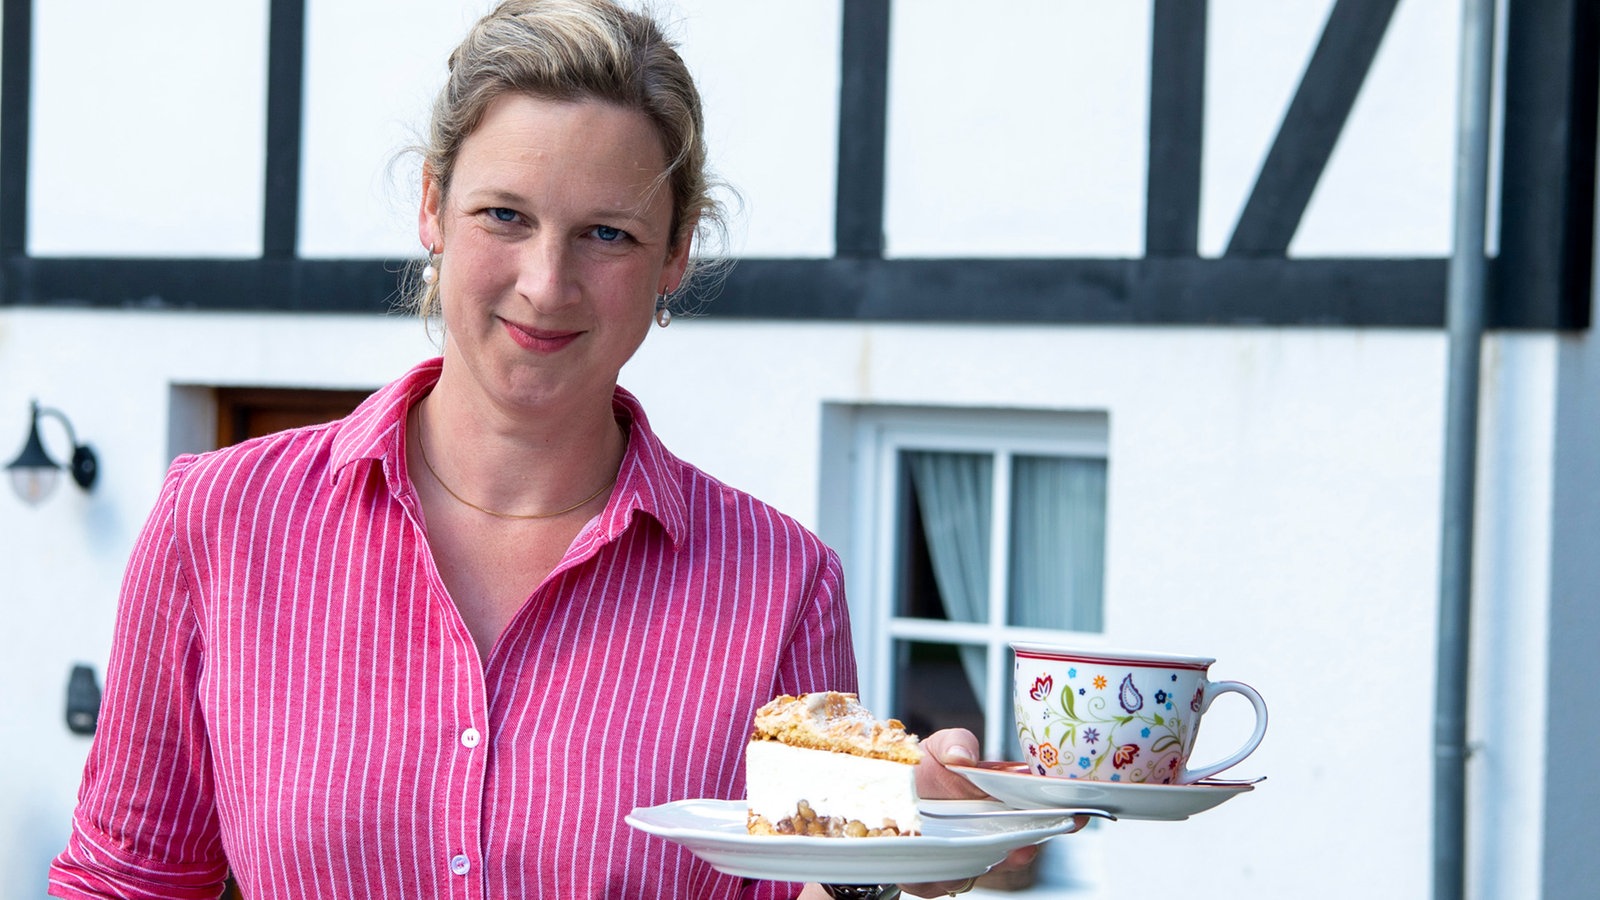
546 276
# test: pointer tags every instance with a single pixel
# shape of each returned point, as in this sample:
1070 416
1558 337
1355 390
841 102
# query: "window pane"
935 687
944 557
1058 540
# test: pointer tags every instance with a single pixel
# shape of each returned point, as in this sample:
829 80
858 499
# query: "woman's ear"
430 231
677 260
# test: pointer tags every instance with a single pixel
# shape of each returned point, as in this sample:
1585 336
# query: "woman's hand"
954 747
950 747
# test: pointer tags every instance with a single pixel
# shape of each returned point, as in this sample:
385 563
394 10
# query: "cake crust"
835 722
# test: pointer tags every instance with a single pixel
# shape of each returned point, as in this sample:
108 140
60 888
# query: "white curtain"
1058 539
955 493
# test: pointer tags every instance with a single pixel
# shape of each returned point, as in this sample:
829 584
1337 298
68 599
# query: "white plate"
947 849
1016 787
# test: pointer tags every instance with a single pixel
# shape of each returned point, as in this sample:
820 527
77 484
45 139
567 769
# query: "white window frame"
878 435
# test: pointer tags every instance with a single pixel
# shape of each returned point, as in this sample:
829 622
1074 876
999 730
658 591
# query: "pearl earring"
429 273
663 315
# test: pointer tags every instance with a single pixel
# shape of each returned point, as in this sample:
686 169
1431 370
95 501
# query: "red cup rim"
1108 656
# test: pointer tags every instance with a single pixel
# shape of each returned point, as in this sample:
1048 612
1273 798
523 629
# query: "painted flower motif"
1116 776
1099 682
1032 750
1144 732
1173 677
1090 735
1082 691
1125 755
1072 673
1129 696
1048 754
1041 769
1083 762
1199 694
1041 687
1161 696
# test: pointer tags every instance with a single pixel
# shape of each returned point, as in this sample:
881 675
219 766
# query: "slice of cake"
821 765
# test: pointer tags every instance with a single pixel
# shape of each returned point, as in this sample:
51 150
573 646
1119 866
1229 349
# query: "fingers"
939 888
955 747
951 746
1020 858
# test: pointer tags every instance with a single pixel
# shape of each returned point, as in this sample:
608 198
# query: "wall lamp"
34 474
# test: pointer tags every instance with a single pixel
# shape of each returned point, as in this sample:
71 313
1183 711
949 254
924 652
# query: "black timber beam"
1545 272
1177 127
16 85
280 227
1311 127
1163 291
273 285
863 127
1175 291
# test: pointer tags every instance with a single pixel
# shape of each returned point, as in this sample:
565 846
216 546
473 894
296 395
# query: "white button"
460 865
470 738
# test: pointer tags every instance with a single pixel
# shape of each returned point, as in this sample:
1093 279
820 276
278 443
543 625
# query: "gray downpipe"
1464 318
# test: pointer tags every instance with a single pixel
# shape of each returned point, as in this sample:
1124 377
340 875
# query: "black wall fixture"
83 700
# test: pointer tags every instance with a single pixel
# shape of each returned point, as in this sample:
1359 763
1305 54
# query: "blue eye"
503 214
607 233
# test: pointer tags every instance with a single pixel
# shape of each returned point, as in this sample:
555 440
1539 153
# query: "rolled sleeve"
146 824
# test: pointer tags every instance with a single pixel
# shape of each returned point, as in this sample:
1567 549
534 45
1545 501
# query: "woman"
443 646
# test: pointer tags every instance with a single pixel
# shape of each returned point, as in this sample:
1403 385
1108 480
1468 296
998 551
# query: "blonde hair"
571 50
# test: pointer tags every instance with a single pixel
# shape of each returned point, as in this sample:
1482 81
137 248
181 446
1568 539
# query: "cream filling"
835 784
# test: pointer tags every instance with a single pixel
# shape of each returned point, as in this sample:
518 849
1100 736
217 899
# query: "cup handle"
1212 692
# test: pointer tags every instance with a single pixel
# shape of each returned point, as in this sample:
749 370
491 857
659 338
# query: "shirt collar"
375 431
648 481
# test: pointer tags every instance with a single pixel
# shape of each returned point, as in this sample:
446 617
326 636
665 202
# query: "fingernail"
958 753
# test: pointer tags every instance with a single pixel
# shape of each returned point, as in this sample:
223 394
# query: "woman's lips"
542 340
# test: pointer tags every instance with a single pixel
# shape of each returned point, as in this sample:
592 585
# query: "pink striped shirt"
292 695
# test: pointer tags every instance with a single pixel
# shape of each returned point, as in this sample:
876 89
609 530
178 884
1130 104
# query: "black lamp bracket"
84 465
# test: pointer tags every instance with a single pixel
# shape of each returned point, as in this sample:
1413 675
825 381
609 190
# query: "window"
970 529
205 417
244 413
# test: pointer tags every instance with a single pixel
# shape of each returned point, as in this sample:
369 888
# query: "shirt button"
470 738
460 865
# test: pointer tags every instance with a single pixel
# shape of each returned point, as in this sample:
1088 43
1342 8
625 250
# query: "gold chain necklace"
489 512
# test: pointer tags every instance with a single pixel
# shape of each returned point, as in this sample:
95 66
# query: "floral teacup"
1109 715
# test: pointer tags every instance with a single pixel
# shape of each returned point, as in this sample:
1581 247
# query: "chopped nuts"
805 822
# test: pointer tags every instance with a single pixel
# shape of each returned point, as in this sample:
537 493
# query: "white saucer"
975 810
948 848
1016 787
